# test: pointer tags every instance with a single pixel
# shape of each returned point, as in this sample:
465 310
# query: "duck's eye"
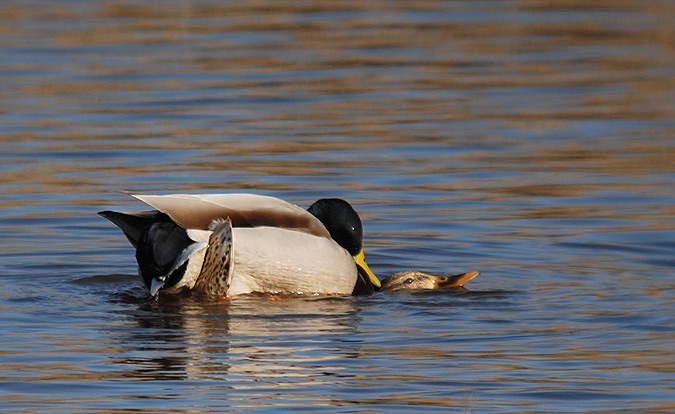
408 281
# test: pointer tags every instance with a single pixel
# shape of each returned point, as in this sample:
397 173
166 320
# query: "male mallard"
232 244
415 280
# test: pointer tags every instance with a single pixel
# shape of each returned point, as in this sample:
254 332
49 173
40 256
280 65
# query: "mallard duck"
233 244
416 280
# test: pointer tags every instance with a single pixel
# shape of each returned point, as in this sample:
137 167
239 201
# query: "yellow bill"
360 260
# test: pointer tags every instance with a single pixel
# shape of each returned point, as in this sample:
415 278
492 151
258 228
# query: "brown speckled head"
415 280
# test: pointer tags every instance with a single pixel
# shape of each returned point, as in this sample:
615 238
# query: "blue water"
531 141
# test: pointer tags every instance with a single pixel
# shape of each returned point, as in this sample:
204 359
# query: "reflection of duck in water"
415 280
231 244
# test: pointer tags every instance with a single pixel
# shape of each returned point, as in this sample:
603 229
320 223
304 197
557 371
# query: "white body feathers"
266 259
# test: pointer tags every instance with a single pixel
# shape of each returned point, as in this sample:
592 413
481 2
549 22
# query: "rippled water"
529 140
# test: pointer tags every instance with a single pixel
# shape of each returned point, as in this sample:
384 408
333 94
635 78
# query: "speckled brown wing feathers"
216 274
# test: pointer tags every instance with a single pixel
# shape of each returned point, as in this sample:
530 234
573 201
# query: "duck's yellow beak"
360 260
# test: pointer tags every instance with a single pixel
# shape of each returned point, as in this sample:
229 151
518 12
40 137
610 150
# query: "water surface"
529 140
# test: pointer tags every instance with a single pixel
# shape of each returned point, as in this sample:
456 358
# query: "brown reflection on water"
213 97
428 54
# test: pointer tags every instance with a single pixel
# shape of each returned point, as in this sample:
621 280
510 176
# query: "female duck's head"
415 280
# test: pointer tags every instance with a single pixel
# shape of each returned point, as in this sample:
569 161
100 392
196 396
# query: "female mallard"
415 280
232 244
